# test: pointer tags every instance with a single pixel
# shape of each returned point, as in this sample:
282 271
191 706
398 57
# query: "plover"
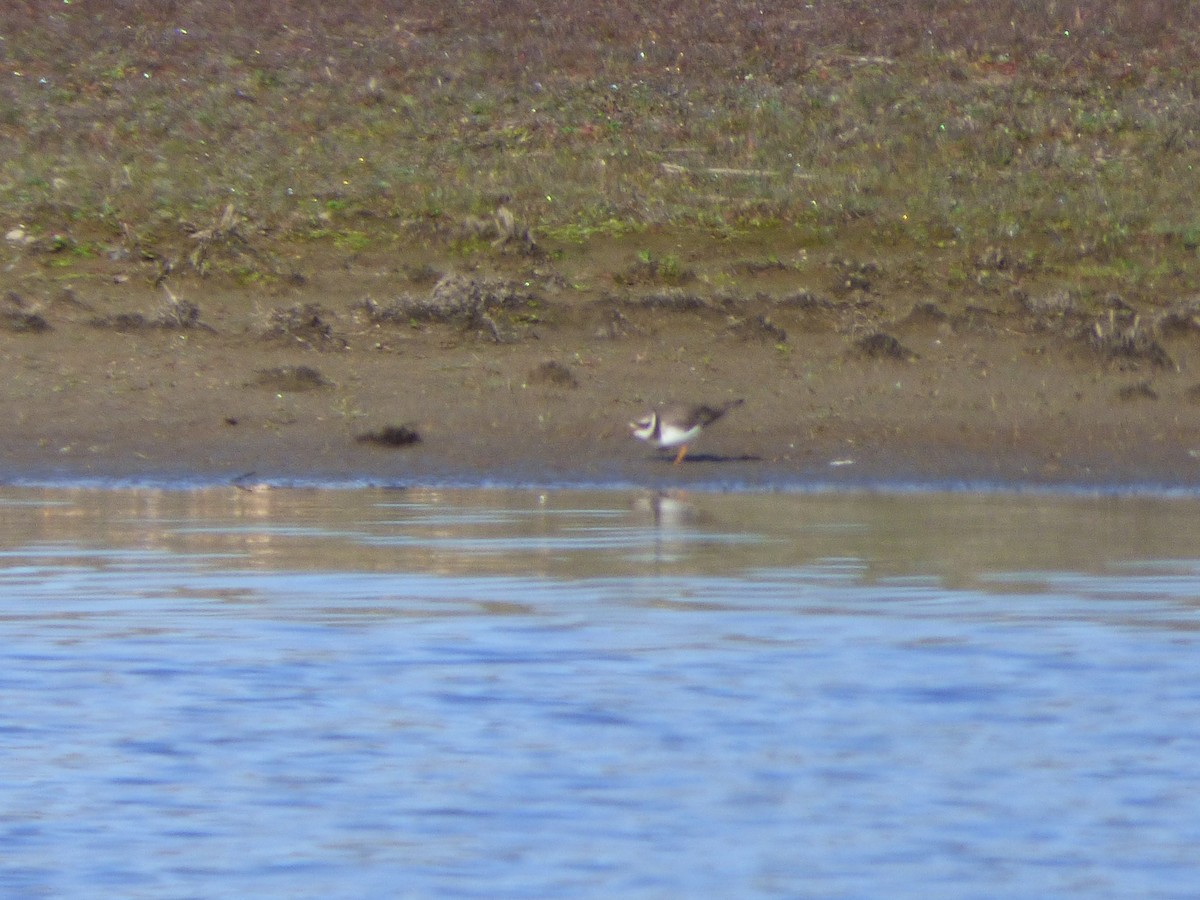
677 426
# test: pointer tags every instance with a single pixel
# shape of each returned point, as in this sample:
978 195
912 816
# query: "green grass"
936 127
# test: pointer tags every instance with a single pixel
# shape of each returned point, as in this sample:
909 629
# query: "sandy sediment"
529 369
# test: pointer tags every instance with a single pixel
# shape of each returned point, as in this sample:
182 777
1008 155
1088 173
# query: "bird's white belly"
673 437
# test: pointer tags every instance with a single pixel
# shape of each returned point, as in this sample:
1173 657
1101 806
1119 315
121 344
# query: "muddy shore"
938 244
526 368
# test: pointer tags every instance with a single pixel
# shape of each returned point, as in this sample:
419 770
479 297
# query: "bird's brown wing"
705 415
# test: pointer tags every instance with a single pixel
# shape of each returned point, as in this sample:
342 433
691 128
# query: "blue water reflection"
509 695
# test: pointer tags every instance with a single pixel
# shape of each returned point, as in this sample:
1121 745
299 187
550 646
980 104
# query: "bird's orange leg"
681 455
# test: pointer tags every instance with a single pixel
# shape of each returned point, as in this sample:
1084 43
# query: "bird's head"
644 427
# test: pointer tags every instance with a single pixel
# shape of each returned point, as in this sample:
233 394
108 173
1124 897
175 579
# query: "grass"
1064 137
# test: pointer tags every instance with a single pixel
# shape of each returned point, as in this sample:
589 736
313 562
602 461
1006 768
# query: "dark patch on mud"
392 436
1140 391
880 345
1124 334
757 328
15 316
553 374
856 275
1180 318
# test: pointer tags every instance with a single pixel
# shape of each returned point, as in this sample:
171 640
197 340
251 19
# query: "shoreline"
290 384
707 476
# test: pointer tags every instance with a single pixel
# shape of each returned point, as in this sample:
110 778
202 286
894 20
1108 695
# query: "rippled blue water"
511 694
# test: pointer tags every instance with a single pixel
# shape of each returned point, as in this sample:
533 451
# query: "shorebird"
677 426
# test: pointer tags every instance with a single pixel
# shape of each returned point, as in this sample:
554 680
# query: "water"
511 694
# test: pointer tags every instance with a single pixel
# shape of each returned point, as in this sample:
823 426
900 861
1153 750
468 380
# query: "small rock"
880 345
391 436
